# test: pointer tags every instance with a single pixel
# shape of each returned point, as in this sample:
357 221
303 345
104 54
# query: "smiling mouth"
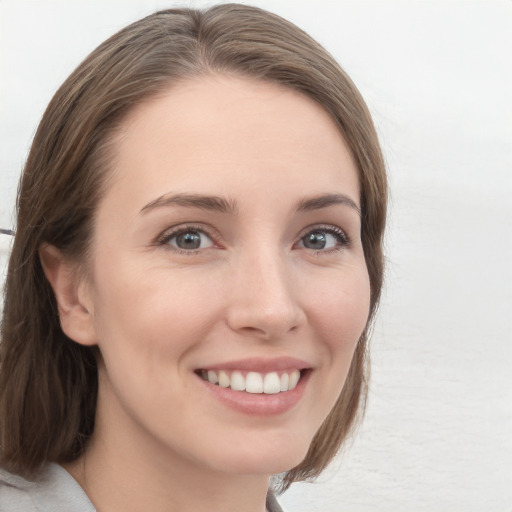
270 383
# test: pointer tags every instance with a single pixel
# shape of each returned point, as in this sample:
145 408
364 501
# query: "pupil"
315 240
190 240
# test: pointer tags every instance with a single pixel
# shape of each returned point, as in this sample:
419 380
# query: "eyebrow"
221 205
326 200
209 203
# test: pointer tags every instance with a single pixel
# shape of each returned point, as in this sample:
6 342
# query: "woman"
199 247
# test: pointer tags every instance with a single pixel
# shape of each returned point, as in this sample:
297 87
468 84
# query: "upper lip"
261 365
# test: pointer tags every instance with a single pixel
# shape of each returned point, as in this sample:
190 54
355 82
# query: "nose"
264 297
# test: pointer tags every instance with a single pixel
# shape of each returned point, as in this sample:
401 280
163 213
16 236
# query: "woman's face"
226 247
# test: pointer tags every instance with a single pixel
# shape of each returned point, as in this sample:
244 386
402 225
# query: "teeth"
285 378
223 379
294 379
254 382
271 384
237 381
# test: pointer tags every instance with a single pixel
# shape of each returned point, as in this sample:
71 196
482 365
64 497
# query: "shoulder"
15 493
272 504
51 490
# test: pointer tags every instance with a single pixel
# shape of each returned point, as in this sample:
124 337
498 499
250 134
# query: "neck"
125 471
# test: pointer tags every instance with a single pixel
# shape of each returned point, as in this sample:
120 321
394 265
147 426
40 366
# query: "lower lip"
259 404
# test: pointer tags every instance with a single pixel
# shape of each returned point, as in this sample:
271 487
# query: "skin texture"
253 289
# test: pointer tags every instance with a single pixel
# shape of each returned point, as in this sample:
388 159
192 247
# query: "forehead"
218 132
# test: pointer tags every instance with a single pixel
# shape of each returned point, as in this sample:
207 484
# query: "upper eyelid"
174 231
325 227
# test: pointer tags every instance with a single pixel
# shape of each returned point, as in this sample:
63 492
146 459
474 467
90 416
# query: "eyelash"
335 231
164 239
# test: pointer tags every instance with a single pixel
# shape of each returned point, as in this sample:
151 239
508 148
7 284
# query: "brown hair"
48 383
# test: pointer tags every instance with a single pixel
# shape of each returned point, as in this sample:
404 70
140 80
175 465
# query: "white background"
437 76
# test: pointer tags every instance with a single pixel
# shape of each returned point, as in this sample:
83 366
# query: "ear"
72 295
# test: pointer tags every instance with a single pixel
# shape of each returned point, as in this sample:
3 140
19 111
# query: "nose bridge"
264 299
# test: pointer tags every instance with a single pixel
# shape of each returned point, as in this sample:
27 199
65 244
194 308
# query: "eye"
324 239
188 240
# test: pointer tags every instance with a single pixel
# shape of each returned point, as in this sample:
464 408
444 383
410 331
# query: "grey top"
55 491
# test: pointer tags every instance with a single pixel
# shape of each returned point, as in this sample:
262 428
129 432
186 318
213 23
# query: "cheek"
147 326
341 317
341 311
144 316
337 316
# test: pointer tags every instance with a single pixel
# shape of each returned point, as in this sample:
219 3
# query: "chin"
261 458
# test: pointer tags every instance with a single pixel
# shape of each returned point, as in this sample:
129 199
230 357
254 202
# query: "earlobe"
71 295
